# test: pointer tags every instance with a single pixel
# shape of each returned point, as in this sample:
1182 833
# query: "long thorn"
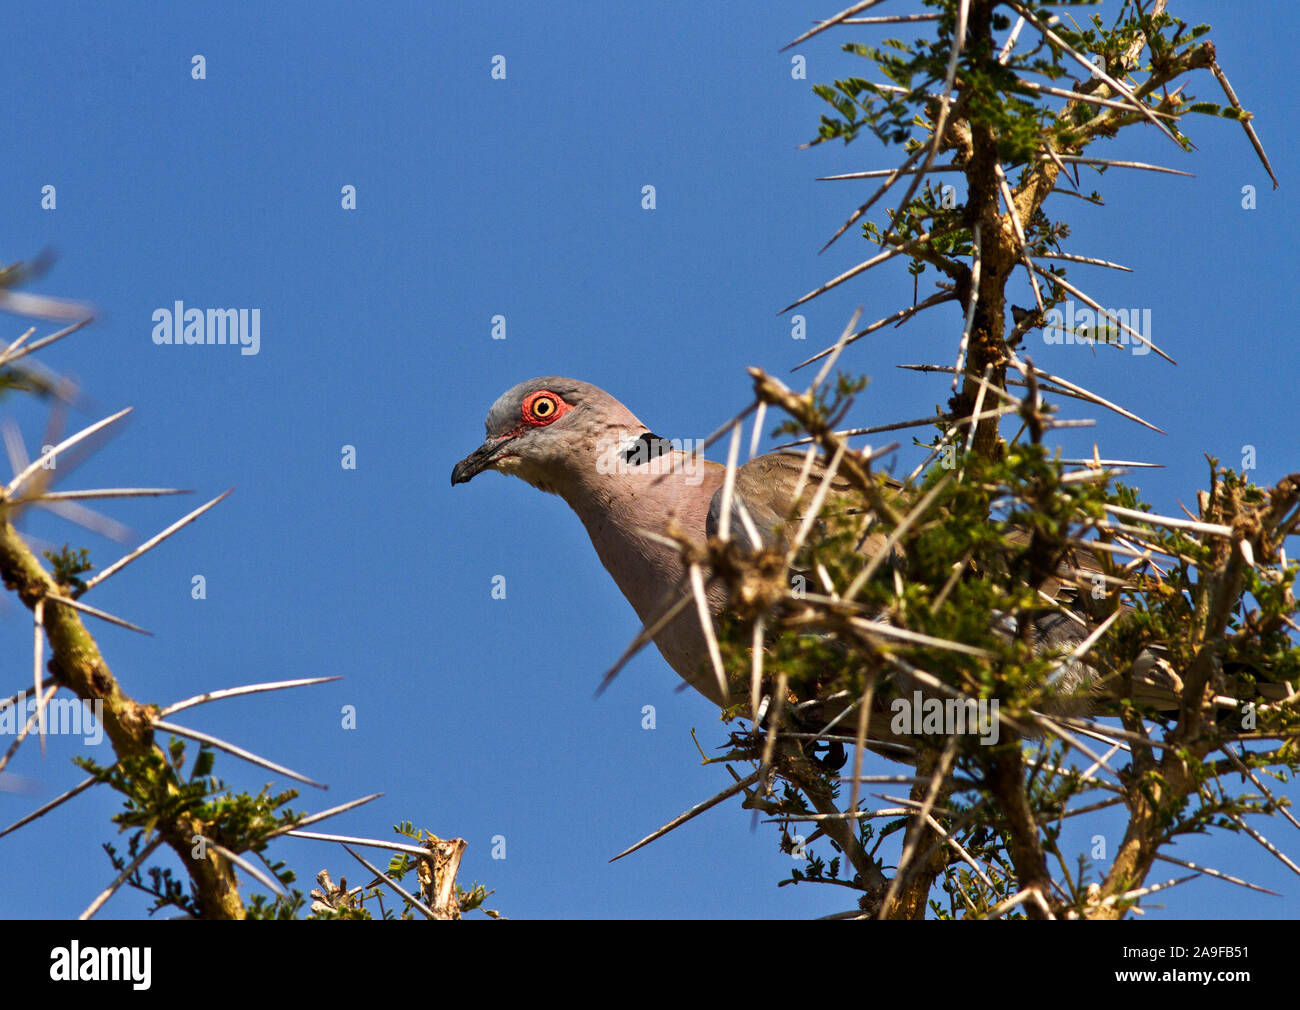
374 843
901 316
95 612
970 308
1219 75
230 748
415 902
41 702
888 254
1102 314
38 656
1016 225
836 350
1216 873
42 811
248 868
44 458
729 484
9 359
695 811
233 692
149 544
1085 259
647 634
121 879
706 628
1075 159
832 22
110 492
324 814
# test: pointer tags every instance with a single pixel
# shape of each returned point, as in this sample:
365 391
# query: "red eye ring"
542 407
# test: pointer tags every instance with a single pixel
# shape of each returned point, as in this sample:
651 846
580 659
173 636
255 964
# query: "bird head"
548 431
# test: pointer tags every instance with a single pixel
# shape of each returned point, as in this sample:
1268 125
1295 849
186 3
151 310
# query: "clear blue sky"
522 197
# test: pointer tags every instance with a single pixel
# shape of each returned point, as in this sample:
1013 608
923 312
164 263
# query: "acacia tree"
1189 650
171 798
1186 639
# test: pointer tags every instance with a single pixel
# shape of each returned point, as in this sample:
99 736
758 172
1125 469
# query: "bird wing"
765 488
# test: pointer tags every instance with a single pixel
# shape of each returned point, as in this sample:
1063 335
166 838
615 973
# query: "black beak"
477 461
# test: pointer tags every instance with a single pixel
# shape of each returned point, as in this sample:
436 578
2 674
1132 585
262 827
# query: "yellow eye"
543 407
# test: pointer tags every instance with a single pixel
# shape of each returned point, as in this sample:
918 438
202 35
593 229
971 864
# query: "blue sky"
522 198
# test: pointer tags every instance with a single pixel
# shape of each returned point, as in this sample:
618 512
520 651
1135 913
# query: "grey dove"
573 439
554 433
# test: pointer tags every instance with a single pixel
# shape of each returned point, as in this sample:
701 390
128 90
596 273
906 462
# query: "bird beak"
479 460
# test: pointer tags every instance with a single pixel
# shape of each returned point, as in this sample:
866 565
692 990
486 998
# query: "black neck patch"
649 446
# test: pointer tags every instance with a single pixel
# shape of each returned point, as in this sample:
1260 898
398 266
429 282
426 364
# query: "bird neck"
617 509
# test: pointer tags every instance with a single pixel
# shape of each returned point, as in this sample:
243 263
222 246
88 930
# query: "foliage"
1183 636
